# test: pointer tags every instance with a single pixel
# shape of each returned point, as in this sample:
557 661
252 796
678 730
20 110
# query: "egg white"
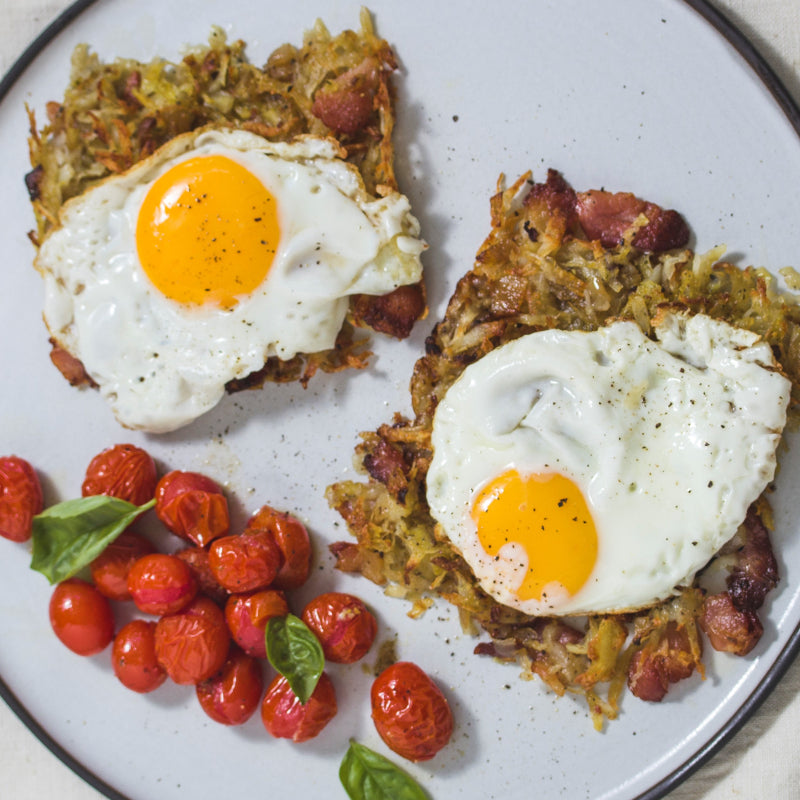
161 364
669 442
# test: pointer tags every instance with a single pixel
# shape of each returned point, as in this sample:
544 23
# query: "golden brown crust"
537 269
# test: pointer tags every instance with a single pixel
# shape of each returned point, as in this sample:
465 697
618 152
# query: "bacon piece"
345 104
566 634
69 366
729 629
347 555
606 216
550 630
394 313
645 679
33 182
730 618
756 570
657 665
345 111
557 194
384 461
542 629
388 465
666 230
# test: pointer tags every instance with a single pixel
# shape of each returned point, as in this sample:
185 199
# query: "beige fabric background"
762 762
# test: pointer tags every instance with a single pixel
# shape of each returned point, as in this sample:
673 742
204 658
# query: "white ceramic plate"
646 97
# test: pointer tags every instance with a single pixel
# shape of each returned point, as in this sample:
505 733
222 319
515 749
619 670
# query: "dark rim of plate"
790 108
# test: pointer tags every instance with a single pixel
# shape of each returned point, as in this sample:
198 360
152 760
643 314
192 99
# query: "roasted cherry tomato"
160 583
20 498
410 712
247 616
233 694
245 562
344 626
197 559
285 717
123 471
292 538
110 569
133 657
81 617
192 506
193 644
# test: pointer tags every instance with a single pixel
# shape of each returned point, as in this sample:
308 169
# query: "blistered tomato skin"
124 471
247 616
197 559
160 583
192 506
191 645
344 626
293 540
133 657
232 695
410 712
111 568
20 498
81 617
285 717
245 562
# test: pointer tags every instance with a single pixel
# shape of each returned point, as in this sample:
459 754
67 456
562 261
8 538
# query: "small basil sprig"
296 653
70 535
367 775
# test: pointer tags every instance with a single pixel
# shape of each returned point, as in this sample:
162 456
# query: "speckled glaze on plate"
664 99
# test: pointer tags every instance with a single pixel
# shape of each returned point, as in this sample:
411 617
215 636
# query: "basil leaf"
367 775
70 535
296 653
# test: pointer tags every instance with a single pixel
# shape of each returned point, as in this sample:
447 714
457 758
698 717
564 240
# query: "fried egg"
587 472
220 250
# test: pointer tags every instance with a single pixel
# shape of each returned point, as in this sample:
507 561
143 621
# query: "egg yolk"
546 514
207 231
